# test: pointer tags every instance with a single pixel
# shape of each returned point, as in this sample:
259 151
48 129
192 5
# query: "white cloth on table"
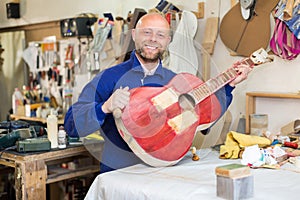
188 180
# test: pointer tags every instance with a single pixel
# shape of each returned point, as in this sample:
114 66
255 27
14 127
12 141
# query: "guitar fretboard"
214 84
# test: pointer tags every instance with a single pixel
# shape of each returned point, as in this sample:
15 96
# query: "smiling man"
109 90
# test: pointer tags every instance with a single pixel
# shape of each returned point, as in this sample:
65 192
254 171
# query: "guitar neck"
214 84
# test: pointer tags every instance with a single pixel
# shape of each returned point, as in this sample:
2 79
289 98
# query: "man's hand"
119 99
242 70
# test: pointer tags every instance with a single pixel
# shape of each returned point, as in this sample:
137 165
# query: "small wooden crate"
235 188
234 182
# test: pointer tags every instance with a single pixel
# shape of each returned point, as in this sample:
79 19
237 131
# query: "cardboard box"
291 128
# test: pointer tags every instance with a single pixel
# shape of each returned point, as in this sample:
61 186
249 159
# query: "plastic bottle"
52 131
62 142
17 100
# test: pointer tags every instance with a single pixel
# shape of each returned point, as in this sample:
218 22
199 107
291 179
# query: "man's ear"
133 34
169 38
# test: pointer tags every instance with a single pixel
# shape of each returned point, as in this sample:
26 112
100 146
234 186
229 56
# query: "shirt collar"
137 66
148 72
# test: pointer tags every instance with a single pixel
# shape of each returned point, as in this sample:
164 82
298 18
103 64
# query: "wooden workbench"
32 170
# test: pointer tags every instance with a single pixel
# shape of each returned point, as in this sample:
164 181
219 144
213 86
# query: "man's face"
151 43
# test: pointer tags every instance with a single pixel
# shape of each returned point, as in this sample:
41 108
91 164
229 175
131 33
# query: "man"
109 90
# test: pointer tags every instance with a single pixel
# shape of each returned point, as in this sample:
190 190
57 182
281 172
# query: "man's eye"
147 32
161 36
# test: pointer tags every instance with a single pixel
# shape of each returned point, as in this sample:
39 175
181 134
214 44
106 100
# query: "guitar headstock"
260 56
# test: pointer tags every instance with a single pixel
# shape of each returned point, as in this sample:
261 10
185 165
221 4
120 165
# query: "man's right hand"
119 99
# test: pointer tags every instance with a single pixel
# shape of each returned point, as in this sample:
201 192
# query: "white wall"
279 76
33 11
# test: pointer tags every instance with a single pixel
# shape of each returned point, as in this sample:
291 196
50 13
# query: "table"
32 170
189 180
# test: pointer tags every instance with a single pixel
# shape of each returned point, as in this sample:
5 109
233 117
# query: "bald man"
109 90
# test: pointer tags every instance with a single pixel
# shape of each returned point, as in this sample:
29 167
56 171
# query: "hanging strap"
283 43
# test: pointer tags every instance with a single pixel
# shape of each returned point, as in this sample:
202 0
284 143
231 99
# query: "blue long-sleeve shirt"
86 115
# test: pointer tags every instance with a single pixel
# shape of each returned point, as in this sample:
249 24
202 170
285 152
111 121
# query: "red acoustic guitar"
159 123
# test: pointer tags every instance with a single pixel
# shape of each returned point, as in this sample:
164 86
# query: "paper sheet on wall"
30 56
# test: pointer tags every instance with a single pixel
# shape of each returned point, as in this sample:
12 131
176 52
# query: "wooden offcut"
210 35
233 170
208 43
200 13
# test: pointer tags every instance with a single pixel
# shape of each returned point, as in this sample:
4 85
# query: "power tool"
13 131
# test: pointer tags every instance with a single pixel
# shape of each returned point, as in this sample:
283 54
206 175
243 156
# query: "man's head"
151 36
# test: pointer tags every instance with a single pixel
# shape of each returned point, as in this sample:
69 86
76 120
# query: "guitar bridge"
183 121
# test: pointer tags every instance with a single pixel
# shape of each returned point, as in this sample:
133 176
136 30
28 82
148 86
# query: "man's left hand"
242 70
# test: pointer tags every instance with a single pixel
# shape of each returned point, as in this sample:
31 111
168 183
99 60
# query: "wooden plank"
233 170
276 95
250 109
47 156
205 66
73 173
19 186
35 119
34 179
7 163
200 13
210 34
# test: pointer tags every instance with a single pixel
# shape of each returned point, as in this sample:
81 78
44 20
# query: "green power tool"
12 131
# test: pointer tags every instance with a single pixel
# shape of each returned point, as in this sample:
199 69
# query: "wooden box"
235 188
234 181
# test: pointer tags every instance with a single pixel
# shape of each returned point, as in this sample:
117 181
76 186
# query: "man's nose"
153 37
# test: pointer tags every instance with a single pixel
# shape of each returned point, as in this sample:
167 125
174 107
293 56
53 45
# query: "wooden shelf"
63 174
35 119
251 102
274 95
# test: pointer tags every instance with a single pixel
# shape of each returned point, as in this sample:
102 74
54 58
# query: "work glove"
118 100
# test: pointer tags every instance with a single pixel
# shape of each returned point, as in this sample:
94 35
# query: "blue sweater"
86 116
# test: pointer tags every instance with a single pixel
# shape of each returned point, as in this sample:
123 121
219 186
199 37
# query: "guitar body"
149 128
245 36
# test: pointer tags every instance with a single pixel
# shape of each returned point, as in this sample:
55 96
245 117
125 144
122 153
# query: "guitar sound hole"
186 102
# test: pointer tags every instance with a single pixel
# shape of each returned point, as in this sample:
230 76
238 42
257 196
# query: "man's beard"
146 58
